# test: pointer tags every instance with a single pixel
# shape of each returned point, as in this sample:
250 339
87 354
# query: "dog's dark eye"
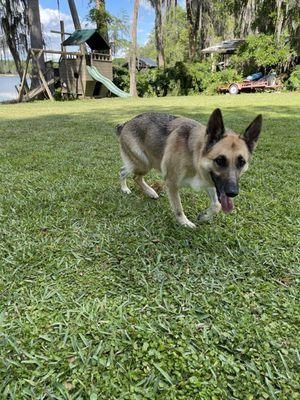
240 162
221 161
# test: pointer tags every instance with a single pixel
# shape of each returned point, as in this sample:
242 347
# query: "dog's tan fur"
185 151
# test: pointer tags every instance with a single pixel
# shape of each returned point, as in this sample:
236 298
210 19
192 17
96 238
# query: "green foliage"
182 79
114 28
293 82
121 77
262 52
100 17
149 50
104 296
118 32
220 78
175 39
118 61
227 19
9 67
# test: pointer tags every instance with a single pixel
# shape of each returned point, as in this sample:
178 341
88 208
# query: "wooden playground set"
80 74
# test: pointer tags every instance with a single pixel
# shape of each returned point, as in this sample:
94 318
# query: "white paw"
187 223
126 190
153 195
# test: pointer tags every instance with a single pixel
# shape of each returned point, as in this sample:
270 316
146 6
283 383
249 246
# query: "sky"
51 15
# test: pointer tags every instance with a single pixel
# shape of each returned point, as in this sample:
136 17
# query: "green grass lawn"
104 296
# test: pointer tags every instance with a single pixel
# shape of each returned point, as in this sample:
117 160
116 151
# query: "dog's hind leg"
176 205
124 172
145 187
137 162
214 208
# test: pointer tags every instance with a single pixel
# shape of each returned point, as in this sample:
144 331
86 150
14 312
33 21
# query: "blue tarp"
254 77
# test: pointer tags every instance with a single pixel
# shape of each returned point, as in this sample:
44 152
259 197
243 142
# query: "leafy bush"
182 79
118 61
208 82
121 77
262 52
293 82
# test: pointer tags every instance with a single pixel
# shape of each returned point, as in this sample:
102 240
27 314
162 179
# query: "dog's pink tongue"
226 203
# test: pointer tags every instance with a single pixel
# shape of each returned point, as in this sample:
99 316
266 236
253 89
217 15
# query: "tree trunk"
75 17
76 21
279 20
171 3
100 5
201 37
13 50
36 40
10 31
133 53
159 35
193 8
244 18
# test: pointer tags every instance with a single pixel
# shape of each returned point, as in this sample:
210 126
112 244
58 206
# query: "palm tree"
133 53
102 19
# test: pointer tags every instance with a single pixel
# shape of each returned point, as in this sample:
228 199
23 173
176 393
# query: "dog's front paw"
190 224
186 222
126 190
205 216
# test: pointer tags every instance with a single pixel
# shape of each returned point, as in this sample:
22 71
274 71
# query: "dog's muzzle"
226 190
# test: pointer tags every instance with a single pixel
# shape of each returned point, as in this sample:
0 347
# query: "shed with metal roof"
225 47
142 63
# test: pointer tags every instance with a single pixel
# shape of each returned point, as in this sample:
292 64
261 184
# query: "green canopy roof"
89 36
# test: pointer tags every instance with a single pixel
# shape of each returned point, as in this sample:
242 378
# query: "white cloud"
50 21
146 4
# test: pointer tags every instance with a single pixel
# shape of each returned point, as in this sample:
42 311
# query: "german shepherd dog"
187 154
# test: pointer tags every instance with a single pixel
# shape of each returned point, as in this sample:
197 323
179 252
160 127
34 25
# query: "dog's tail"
119 128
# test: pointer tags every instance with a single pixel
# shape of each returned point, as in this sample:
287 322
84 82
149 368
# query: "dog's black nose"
231 189
232 193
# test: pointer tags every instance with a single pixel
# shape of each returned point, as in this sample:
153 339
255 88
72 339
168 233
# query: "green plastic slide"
95 74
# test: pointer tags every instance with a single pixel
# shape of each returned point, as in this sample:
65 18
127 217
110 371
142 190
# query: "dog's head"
226 156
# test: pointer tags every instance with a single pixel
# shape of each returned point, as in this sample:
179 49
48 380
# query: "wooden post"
74 53
41 73
20 97
62 35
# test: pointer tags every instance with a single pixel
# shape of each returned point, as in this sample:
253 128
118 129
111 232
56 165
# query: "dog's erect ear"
215 128
251 134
